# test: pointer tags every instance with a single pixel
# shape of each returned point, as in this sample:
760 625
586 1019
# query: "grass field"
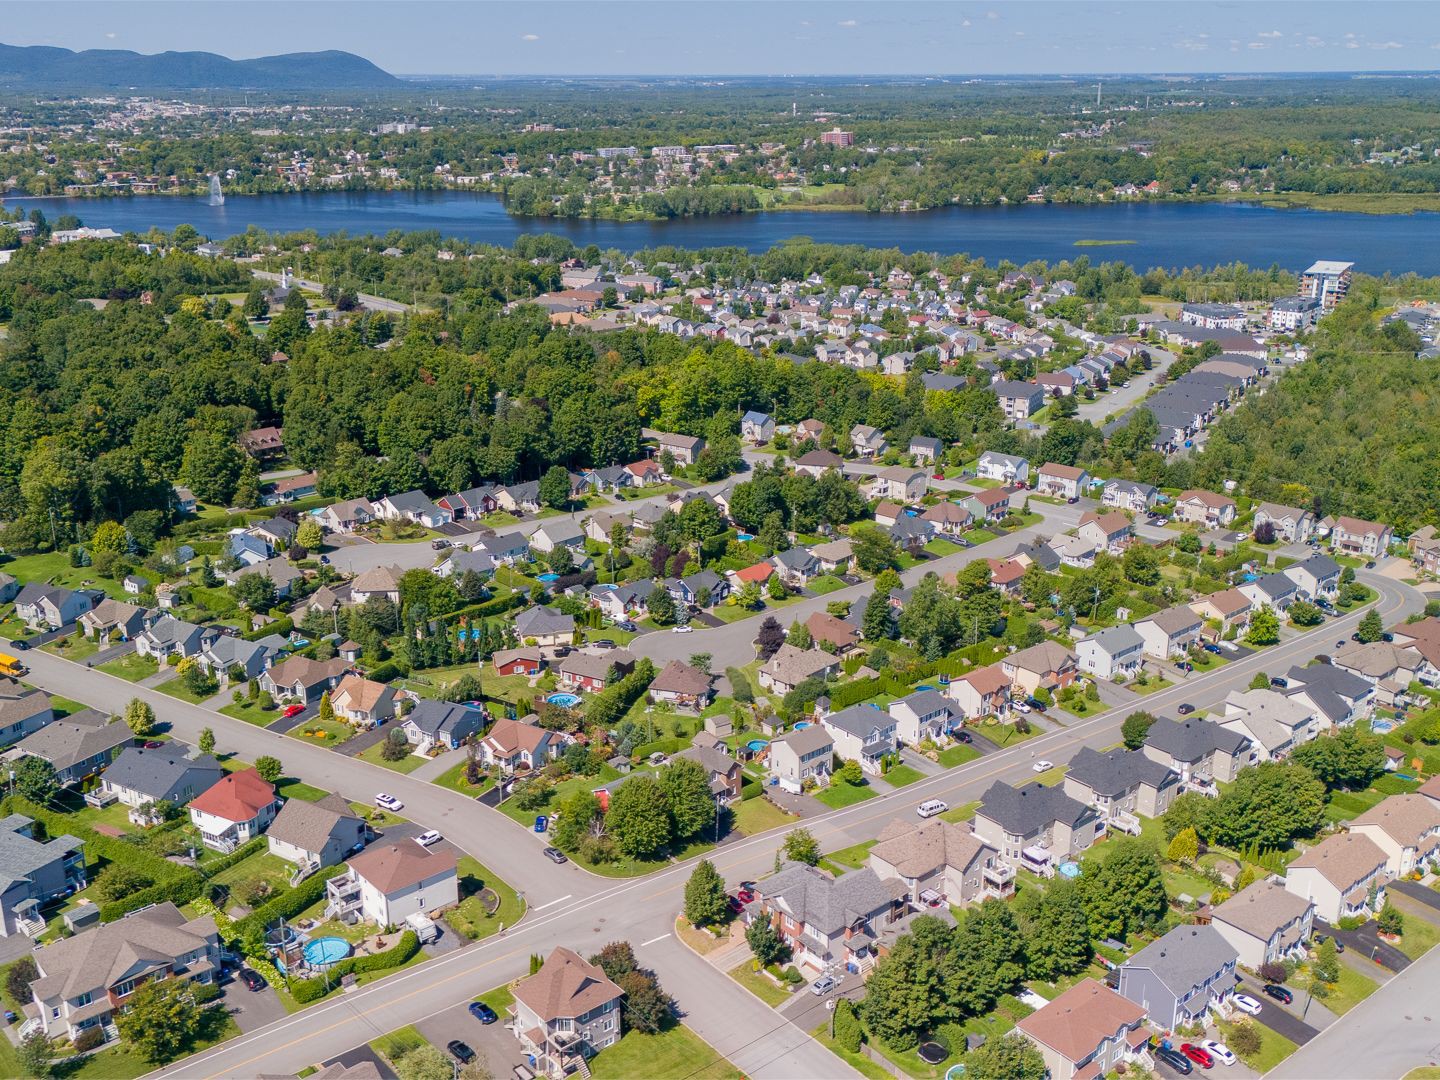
176 688
251 713
131 668
760 815
759 985
408 764
963 812
1352 989
1419 936
677 1052
958 754
903 775
470 917
859 1062
840 794
1273 1048
850 858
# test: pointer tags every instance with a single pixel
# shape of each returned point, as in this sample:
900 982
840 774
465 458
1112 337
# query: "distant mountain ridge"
45 67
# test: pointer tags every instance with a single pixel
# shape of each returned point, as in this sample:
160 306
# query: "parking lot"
493 1043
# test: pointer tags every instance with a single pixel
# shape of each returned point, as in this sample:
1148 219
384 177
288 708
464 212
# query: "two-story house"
1121 782
1364 539
925 714
1171 632
1114 651
566 1012
236 808
1006 468
1177 978
1338 876
722 770
1110 531
899 482
1048 664
868 442
1406 828
1035 827
1274 723
50 606
1088 1031
982 692
1204 508
33 873
940 861
800 755
1129 495
1317 577
1264 923
1061 481
1289 524
829 921
1199 750
862 734
387 883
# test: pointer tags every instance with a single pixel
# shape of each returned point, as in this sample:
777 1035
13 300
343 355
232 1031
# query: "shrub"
1244 1039
18 978
288 904
307 990
848 1032
1274 973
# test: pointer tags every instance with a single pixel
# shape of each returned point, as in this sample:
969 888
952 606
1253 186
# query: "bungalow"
566 1012
925 714
829 922
246 549
1088 1031
1037 553
1062 481
470 504
683 448
1275 591
504 549
1047 664
1129 495
757 427
278 533
363 701
623 600
301 679
458 562
1005 575
1199 750
1005 468
991 505
1171 632
441 724
592 672
1228 607
50 606
545 627
312 835
1121 782
947 517
1338 876
867 442
112 620
887 513
941 861
414 506
757 574
520 744
1116 650
789 667
982 692
169 636
826 629
817 463
796 566
235 809
140 776
523 661
645 472
691 589
1077 551
288 488
223 654
1264 923
862 734
77 746
381 581
1108 532
347 516
901 483
562 532
1317 576
1288 524
523 498
683 685
924 448
1367 539
1179 977
801 756
1204 508
1035 827
277 571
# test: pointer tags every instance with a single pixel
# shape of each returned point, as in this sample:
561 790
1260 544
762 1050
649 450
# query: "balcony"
342 897
225 842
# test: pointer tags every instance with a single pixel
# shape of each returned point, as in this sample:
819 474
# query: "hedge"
751 789
177 892
499 606
668 744
281 627
287 905
842 697
304 991
239 855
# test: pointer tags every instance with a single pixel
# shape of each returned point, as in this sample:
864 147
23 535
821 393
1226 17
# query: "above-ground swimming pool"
1069 869
324 951
756 745
801 725
743 537
547 577
564 700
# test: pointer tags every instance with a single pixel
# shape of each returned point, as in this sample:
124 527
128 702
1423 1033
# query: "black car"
251 979
20 644
1185 709
1176 1060
482 1012
1279 993
555 855
1320 939
460 1052
1036 704
963 736
1370 565
1279 681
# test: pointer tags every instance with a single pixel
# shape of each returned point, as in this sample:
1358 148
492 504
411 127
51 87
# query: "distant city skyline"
778 37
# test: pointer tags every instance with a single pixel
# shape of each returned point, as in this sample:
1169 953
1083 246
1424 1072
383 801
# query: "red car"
745 896
1198 1055
294 710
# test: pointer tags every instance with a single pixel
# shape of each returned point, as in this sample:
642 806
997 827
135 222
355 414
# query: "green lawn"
859 1062
850 858
942 547
251 713
408 764
903 775
759 815
1419 936
261 866
396 1044
1273 1048
76 647
826 583
132 667
840 794
290 788
963 812
1007 734
1352 989
1344 805
470 918
1152 686
122 1062
958 754
322 734
454 779
678 1052
759 985
979 536
54 567
177 688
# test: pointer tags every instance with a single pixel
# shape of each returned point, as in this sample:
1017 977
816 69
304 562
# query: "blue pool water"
924 686
756 745
1069 869
324 951
801 725
1381 727
547 577
565 701
742 537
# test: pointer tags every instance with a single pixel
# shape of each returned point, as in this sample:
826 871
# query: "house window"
81 1001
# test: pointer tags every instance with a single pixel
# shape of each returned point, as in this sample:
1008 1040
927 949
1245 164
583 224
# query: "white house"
386 884
862 734
925 714
1006 468
1061 481
1170 632
1116 650
236 808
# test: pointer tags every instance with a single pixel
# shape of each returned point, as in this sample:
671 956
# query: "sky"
764 37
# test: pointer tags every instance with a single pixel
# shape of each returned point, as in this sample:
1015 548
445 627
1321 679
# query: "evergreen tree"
705 899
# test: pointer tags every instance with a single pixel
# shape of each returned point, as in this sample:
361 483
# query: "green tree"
990 958
139 717
269 768
555 487
851 773
1303 613
247 484
848 1031
1326 966
35 779
799 635
766 945
661 606
1260 681
775 588
36 1056
1390 920
1010 1057
1268 805
1127 892
423 1062
638 819
110 536
211 465
1141 564
685 785
705 900
326 712
1136 726
1185 847
1056 931
1245 1038
1351 758
1264 627
162 1019
873 549
1370 628
255 591
309 535
879 618
917 984
801 846
207 740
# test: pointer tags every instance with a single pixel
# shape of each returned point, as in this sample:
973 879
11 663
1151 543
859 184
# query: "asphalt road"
370 303
584 911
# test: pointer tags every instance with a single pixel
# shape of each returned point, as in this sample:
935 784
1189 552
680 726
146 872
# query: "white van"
931 808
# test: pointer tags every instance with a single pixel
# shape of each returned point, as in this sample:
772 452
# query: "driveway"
919 761
1366 942
113 652
366 739
251 1009
807 1011
284 723
1276 1017
492 1043
1419 893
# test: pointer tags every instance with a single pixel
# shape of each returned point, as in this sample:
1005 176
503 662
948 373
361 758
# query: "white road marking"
552 903
653 940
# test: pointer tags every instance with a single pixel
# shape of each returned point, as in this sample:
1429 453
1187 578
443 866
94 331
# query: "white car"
1020 706
1246 1004
682 630
425 839
388 802
1219 1051
931 807
1042 766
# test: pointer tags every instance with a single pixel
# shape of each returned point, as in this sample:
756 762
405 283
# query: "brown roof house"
789 667
722 770
1047 664
302 678
682 684
1405 827
826 629
1265 923
566 1012
387 884
1087 1031
313 835
1338 874
363 701
940 862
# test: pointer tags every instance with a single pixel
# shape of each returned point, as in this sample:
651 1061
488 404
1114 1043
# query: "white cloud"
1386 45
112 35
1314 42
530 37
966 22
1269 34
1352 44
849 22
1257 45
1349 37
992 14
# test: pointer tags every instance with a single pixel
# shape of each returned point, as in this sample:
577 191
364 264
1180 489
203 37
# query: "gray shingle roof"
1185 957
1028 809
441 717
1191 740
75 738
830 904
1117 771
157 772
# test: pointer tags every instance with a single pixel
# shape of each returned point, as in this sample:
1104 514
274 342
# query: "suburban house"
35 872
522 498
789 667
1367 539
1338 874
347 516
1018 400
801 755
22 712
1177 978
222 654
84 980
564 1013
722 770
140 776
1035 827
1088 1031
1116 650
363 701
1406 828
619 602
1171 632
1108 532
690 588
277 571
50 606
682 685
387 883
991 505
1199 750
1315 577
817 463
796 566
236 808
1005 468
829 921
940 861
112 620
77 746
414 506
470 504
1390 668
899 482
562 532
1129 495
380 581
1264 923
443 724
982 692
925 714
504 549
1290 525
1121 782
591 672
545 627
924 448
826 629
1048 664
683 448
1061 481
1228 607
518 744
946 517
1340 696
757 427
1076 551
264 443
1204 508
862 734
315 835
868 442
302 679
1275 723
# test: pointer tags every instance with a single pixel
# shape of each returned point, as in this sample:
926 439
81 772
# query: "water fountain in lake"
217 197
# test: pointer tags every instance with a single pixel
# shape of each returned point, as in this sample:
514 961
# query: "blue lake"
1164 234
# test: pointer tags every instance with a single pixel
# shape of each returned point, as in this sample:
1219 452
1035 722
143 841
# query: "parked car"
439 544
1186 709
1198 1054
428 837
823 985
930 807
1219 1051
734 904
20 644
252 980
555 855
1229 646
389 802
482 1012
1176 1060
460 1052
963 736
745 895
152 744
1042 765
1020 706
541 823
1214 649
626 625
602 643
293 710
1246 1004
1279 993
1279 682
1185 666
1035 703
1341 644
1370 565
682 629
